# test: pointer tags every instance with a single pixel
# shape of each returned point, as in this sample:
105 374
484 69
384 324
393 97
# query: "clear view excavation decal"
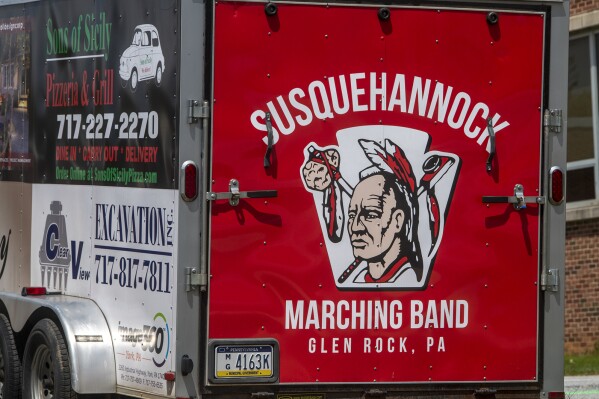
382 204
119 248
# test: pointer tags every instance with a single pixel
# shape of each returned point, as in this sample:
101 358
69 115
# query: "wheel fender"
86 334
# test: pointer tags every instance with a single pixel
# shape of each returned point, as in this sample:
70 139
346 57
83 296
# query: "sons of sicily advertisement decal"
103 93
377 261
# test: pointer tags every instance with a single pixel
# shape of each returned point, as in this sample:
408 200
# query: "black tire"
10 365
46 370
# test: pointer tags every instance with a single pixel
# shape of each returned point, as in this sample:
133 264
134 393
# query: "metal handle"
234 195
492 143
270 141
518 199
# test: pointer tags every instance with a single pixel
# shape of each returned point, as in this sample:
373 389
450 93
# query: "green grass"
587 364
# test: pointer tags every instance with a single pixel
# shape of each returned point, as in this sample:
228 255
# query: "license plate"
243 361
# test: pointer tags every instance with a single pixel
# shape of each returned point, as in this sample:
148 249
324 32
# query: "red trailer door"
377 261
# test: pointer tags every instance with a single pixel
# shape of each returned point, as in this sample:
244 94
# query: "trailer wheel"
10 365
46 371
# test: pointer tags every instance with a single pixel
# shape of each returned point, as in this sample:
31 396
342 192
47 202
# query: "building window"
583 118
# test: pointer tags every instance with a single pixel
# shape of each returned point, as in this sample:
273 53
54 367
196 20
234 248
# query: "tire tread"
12 364
47 331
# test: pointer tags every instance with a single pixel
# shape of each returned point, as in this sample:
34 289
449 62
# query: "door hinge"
194 279
552 120
550 280
197 110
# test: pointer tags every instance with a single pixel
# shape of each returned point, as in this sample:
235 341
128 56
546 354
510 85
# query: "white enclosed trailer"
282 199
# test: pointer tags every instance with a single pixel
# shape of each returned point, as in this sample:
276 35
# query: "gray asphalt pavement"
582 387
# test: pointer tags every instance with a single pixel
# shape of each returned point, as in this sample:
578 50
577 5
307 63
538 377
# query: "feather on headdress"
390 159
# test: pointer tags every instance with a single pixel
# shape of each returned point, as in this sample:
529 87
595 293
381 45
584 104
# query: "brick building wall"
583 6
582 237
582 286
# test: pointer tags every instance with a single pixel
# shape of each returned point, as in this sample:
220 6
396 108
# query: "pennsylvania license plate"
242 361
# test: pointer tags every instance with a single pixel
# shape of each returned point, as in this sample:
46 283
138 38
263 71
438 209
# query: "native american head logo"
382 199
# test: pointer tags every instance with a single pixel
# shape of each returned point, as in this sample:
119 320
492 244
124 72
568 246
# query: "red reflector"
556 395
190 181
169 376
33 291
556 185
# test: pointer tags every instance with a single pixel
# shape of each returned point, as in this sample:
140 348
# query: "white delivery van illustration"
143 59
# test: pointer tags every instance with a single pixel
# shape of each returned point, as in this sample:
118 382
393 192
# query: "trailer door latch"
234 195
519 200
